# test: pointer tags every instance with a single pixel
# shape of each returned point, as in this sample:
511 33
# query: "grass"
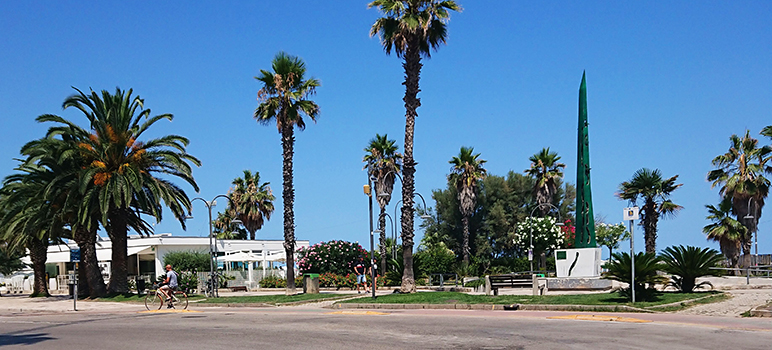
576 299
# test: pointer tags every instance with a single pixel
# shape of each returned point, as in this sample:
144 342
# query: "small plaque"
561 255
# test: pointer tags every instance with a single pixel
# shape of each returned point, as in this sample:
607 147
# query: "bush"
331 280
278 282
437 259
188 261
686 264
337 257
187 281
646 267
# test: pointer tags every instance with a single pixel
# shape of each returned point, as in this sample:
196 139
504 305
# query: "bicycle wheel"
180 300
154 301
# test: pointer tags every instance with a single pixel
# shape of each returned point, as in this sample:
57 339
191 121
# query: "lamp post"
530 234
393 235
212 245
752 217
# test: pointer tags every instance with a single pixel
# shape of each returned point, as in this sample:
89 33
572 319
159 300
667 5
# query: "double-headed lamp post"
530 235
212 245
752 217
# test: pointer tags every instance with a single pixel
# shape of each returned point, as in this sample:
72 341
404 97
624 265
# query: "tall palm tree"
383 162
284 100
740 173
121 171
725 230
224 229
466 171
412 29
251 201
649 186
548 173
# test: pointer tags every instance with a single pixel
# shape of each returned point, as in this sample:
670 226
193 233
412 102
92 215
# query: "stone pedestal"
580 262
311 283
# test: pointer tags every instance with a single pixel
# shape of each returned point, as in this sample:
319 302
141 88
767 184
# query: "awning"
102 254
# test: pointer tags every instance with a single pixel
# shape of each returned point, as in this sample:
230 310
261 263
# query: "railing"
760 271
441 277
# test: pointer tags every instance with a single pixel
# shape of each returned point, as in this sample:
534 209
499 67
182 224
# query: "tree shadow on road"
23 339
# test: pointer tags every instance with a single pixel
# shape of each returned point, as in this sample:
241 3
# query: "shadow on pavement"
23 339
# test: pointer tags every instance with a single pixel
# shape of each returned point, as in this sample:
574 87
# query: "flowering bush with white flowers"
546 236
337 257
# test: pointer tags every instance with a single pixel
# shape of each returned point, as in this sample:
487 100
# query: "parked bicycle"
155 300
210 290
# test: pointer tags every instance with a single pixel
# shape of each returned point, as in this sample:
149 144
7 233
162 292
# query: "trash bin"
70 288
140 285
311 283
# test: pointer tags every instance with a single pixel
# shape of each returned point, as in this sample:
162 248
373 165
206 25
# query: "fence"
760 271
240 278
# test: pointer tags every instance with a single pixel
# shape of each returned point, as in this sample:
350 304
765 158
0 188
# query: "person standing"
359 271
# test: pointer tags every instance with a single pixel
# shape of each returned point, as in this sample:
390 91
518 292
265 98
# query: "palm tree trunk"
465 247
38 253
87 242
119 275
412 68
288 195
382 238
650 226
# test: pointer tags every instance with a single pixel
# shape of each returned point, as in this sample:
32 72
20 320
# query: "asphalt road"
298 328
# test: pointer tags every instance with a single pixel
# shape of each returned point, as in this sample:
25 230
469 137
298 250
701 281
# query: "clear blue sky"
668 83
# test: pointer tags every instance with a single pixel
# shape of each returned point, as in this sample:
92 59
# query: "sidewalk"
22 303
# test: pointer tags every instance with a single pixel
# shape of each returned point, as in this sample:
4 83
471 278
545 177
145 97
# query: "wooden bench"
513 280
238 289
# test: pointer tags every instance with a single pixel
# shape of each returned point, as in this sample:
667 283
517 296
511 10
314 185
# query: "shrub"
278 282
187 281
437 259
646 267
188 261
336 257
686 264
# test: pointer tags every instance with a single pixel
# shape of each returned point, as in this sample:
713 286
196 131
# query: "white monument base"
580 262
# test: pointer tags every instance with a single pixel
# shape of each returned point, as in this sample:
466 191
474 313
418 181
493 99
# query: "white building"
146 254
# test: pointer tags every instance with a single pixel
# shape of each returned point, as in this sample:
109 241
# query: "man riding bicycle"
169 284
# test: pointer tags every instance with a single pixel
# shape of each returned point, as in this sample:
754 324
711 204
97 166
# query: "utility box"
579 262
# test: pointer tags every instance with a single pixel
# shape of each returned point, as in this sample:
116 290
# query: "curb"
291 303
493 307
761 311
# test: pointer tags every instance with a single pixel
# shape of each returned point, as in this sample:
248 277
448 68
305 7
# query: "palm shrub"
688 263
646 267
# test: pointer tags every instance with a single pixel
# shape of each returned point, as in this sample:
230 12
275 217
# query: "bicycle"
155 300
209 289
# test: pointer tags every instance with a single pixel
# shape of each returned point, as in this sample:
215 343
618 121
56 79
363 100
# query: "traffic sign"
630 214
75 255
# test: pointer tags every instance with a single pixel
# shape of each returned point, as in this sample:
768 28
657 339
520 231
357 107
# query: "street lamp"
393 235
212 246
530 234
750 217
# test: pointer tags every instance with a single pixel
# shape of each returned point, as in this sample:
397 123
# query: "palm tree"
740 173
655 192
252 201
383 162
411 28
725 230
548 173
284 100
686 264
224 229
120 174
467 169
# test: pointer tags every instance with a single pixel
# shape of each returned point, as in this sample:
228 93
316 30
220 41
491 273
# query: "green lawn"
576 299
271 299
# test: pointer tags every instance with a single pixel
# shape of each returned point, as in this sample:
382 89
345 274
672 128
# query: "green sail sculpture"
585 221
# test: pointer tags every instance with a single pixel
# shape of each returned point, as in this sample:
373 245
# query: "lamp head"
748 217
236 222
426 217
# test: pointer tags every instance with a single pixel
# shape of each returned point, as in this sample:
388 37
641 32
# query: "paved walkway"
741 301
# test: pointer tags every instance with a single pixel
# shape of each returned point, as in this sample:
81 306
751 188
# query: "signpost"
75 258
631 214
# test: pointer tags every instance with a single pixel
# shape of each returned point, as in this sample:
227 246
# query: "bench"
513 280
238 289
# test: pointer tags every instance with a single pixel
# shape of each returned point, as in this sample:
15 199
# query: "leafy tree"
725 230
655 191
740 173
250 201
619 268
411 28
435 259
382 162
121 171
284 100
608 235
10 260
547 172
192 261
466 171
686 264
